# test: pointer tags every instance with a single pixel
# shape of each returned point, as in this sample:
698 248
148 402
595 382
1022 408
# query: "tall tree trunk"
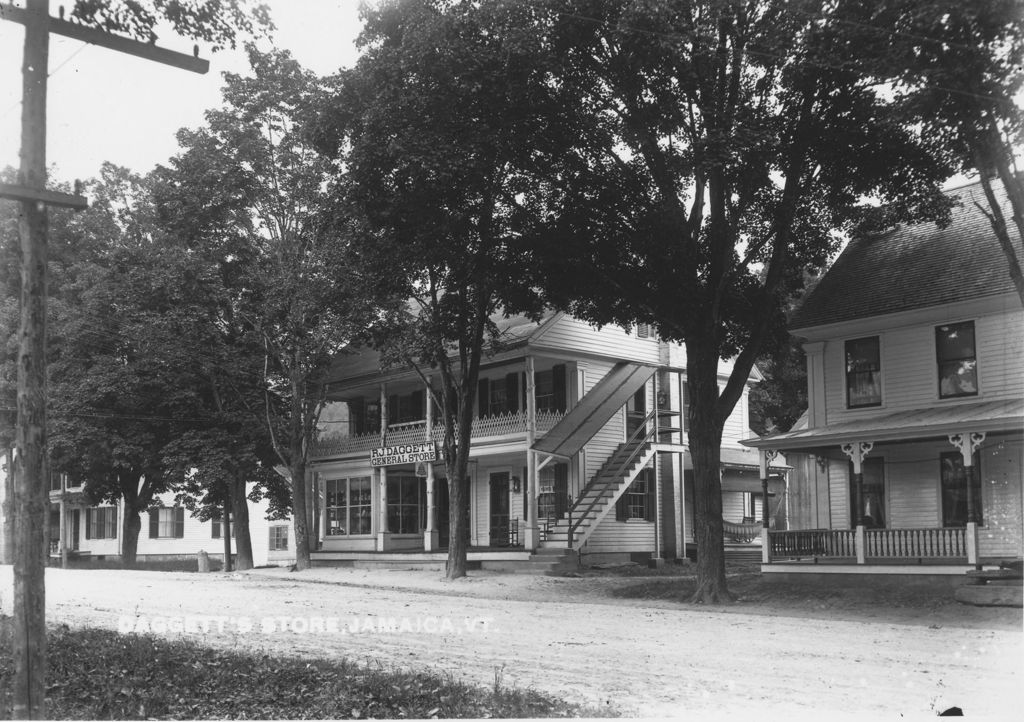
705 436
7 543
130 528
297 468
226 528
240 513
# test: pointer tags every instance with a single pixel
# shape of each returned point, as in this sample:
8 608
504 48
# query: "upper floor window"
498 395
643 330
404 408
957 360
863 373
550 389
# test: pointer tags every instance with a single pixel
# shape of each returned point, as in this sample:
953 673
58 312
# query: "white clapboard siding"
733 507
910 370
605 441
610 536
568 334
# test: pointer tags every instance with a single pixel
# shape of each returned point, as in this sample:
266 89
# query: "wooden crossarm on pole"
104 39
50 198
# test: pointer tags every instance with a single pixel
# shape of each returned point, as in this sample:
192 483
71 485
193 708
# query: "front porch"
861 551
505 559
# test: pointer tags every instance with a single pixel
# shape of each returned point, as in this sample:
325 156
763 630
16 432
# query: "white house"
578 447
913 438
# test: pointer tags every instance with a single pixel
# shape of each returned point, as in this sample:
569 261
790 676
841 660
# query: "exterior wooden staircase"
599 495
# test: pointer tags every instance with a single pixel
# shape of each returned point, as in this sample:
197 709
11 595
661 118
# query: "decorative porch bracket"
967 443
857 451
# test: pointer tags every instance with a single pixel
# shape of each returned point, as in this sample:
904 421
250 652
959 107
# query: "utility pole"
31 487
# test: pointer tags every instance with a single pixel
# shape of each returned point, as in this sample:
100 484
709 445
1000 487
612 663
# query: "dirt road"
649 660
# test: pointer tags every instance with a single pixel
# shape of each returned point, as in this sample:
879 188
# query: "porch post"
765 458
531 536
857 451
382 474
967 443
431 538
321 489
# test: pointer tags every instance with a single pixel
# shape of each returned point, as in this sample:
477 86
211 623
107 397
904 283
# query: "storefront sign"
404 454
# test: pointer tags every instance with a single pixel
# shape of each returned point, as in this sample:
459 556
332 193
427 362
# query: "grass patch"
98 674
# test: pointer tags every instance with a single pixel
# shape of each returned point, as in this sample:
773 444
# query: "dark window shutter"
179 522
419 405
113 523
357 416
651 500
526 497
154 523
483 402
90 516
512 392
558 383
215 528
621 512
393 409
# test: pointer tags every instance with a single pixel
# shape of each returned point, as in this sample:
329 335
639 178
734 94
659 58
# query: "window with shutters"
498 395
638 501
406 408
167 523
549 389
101 523
217 527
553 489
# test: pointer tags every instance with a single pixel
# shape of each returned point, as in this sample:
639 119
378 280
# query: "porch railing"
876 544
813 543
416 431
915 543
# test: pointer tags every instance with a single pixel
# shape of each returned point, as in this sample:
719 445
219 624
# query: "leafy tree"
122 387
962 74
250 191
446 158
719 146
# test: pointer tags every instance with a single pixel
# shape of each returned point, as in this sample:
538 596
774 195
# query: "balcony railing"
488 427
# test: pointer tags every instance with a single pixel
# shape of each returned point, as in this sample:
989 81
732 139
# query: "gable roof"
914 267
514 331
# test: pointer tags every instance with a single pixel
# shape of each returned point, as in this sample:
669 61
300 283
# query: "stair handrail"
618 473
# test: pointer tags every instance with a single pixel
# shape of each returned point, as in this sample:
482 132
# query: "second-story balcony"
500 427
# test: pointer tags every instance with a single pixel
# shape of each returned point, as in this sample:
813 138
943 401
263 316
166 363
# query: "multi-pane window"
957 360
279 538
956 487
406 408
553 488
549 389
406 504
498 395
167 523
348 503
863 373
101 523
638 501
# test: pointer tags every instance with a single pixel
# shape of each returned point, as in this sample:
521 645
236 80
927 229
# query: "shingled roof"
914 267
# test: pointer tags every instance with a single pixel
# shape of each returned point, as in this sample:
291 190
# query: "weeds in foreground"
99 674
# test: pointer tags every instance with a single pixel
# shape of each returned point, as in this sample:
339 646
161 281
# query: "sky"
108 106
